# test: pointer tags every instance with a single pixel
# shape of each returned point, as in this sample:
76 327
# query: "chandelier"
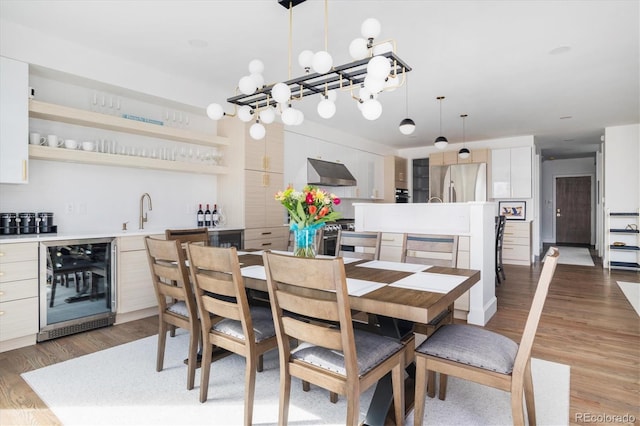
375 68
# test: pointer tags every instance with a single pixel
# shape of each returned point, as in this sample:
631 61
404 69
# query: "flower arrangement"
310 207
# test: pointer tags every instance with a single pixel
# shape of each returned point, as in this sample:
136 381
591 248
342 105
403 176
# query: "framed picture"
513 210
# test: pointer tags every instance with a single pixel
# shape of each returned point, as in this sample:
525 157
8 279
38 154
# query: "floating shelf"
624 231
88 157
624 264
53 112
630 248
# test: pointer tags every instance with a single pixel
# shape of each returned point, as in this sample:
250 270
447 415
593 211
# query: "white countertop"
24 238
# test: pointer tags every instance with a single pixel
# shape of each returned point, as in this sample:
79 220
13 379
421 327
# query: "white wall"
552 169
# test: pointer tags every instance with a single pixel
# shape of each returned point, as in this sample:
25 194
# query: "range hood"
320 172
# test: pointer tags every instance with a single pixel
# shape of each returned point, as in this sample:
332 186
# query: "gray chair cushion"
472 346
370 348
263 326
179 308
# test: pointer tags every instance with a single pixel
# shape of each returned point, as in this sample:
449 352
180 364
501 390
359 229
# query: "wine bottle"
215 217
207 217
200 216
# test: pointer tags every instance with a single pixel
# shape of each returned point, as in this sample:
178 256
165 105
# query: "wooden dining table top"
418 306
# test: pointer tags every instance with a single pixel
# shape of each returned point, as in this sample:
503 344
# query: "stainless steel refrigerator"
458 183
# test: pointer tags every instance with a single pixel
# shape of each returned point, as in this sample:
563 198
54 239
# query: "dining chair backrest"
306 296
365 245
197 235
227 319
176 300
436 250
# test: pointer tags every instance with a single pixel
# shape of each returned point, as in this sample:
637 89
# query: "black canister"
8 223
46 221
27 223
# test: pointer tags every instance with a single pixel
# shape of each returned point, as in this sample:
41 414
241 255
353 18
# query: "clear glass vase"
304 242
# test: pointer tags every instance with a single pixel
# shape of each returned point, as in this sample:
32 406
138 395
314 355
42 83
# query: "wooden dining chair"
425 249
195 235
176 299
335 357
500 224
482 356
366 245
227 320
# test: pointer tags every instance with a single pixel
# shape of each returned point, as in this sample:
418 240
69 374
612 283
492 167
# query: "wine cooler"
77 286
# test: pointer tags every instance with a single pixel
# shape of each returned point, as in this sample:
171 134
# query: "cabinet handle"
267 179
24 170
266 244
266 233
266 163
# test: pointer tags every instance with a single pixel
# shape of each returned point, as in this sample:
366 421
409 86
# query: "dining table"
400 295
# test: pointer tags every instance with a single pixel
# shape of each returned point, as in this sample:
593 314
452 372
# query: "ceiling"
559 70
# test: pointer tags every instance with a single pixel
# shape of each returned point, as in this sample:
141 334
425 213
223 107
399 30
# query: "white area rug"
632 293
119 386
575 256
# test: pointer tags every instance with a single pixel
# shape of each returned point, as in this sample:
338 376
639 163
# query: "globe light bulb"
372 109
258 79
267 115
289 116
322 62
305 59
358 49
256 66
326 108
299 118
370 28
332 95
257 131
379 67
373 84
280 92
247 85
215 111
244 113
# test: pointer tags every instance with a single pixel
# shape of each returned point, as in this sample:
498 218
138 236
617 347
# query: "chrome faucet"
435 198
143 216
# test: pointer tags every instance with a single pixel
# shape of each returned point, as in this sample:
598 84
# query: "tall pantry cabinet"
257 173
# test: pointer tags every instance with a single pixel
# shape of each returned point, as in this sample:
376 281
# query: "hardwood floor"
586 323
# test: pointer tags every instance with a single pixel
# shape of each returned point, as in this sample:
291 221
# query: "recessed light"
198 43
566 117
559 50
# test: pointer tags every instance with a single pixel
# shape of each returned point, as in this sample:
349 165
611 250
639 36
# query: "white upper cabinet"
511 172
14 121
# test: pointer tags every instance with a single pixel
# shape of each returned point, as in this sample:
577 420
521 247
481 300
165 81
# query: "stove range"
330 234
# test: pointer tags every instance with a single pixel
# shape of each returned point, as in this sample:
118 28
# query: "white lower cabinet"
516 243
18 295
391 247
134 287
275 238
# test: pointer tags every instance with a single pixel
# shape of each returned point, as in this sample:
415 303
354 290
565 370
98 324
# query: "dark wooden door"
573 210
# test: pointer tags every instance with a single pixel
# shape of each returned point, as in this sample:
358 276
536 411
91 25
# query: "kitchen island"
472 220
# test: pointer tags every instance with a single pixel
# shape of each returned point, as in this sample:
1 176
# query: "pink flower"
336 201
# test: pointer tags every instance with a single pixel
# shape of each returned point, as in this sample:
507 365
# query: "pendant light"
441 142
464 153
407 126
